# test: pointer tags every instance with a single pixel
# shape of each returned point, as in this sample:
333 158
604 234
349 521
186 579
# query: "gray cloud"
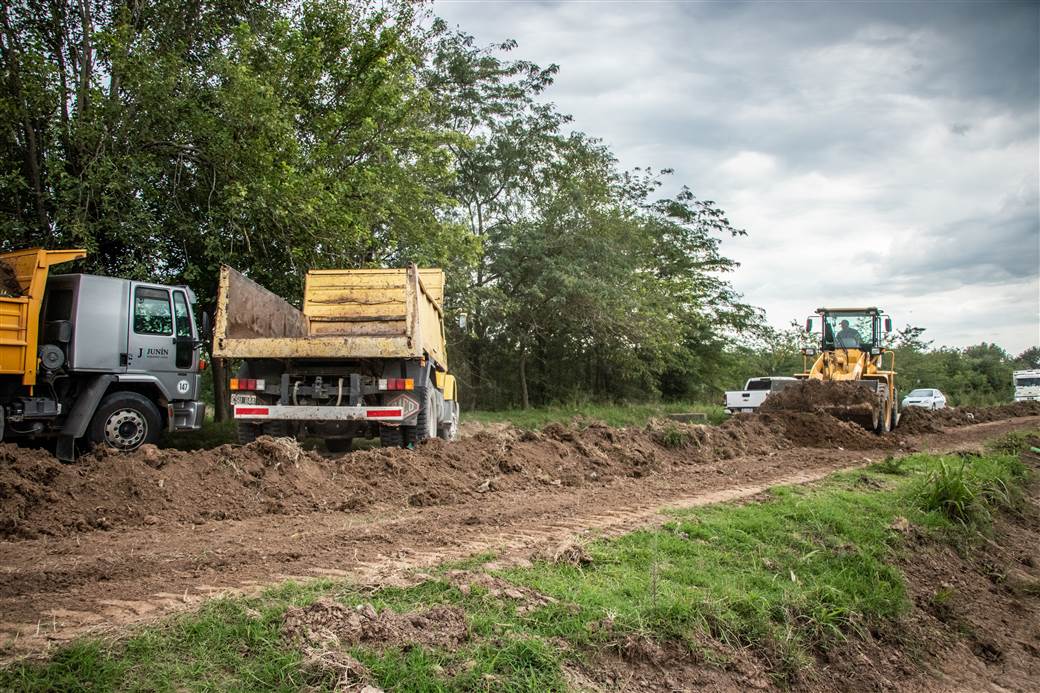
876 152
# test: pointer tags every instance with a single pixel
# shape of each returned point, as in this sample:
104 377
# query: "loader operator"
848 337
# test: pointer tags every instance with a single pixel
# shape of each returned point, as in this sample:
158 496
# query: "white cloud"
876 153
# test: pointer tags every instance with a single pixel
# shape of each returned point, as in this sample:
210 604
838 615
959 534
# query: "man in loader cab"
848 337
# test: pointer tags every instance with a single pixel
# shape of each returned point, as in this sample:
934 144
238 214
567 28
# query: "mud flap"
80 416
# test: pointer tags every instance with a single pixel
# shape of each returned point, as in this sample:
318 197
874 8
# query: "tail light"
247 384
396 384
202 365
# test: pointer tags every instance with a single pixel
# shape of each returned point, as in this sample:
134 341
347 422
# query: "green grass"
787 577
611 414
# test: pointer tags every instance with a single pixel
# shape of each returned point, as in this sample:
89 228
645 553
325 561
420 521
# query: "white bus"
1027 385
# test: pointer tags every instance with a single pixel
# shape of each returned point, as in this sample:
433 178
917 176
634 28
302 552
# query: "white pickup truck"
754 393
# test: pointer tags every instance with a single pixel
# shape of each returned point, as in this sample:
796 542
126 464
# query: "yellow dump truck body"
370 313
20 315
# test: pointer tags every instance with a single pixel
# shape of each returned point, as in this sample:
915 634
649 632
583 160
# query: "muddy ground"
119 539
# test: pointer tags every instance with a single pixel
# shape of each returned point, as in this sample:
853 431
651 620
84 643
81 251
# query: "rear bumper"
263 412
186 416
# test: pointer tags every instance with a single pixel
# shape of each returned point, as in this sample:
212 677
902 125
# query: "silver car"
927 398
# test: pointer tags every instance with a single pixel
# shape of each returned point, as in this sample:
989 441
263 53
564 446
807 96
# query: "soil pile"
107 490
915 420
817 395
9 284
333 624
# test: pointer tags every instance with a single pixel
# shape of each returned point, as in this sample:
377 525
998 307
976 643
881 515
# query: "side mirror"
808 325
888 324
207 326
461 321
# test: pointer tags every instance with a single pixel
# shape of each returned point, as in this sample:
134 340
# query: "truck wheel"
125 421
425 422
248 432
339 444
390 436
450 430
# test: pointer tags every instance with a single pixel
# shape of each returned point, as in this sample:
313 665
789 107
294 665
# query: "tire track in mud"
136 576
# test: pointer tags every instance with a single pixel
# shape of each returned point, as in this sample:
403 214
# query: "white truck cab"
1027 385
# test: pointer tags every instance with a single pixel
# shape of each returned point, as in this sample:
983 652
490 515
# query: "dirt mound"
817 429
915 420
106 490
9 284
817 395
328 622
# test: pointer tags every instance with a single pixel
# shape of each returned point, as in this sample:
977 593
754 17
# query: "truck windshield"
848 331
1027 382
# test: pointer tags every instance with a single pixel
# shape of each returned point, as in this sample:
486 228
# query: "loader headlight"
809 351
875 351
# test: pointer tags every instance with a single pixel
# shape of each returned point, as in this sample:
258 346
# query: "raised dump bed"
365 356
358 314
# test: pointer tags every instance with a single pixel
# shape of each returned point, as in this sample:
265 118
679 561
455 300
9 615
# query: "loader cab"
863 329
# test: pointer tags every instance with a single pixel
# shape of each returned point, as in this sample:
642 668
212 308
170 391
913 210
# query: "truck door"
152 344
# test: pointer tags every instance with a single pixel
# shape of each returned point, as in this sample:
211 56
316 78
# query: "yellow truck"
365 357
101 359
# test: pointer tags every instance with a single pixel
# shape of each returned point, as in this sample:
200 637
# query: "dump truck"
851 350
364 358
94 359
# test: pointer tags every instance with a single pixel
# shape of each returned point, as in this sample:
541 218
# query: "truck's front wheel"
125 421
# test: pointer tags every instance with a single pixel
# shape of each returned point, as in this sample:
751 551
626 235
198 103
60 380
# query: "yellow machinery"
20 315
851 350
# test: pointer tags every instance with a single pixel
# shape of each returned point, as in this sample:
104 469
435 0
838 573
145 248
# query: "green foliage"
673 437
967 490
611 414
891 465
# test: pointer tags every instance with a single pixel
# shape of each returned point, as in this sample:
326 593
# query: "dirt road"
163 536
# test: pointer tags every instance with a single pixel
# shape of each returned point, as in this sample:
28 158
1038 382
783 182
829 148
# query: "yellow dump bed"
20 315
372 313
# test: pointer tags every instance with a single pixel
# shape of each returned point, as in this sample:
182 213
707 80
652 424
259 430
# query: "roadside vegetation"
637 414
785 577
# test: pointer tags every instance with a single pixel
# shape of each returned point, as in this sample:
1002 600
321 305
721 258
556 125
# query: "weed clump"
891 465
673 437
966 491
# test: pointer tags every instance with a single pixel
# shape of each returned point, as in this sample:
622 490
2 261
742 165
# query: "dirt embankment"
40 496
915 420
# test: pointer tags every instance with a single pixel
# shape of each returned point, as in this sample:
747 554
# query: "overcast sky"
877 153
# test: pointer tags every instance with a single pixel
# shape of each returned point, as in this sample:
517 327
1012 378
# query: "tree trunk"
221 407
525 400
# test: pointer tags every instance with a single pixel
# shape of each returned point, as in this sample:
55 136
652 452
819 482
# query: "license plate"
242 399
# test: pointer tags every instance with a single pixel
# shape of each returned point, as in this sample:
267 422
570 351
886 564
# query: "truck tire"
425 421
450 430
249 431
339 444
390 436
125 421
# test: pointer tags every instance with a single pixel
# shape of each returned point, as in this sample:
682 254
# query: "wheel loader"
851 351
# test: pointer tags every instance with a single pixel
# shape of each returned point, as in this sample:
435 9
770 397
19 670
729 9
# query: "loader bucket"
849 400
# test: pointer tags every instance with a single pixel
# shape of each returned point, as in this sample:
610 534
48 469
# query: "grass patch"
785 578
611 414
